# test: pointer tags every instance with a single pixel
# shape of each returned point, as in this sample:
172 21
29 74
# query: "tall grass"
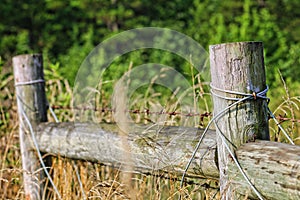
80 179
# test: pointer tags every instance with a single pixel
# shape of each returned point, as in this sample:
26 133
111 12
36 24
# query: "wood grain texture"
151 148
273 167
238 67
31 99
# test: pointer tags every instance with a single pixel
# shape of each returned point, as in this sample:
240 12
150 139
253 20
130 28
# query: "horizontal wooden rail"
155 148
274 168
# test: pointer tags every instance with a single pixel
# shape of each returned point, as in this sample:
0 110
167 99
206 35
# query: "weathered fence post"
31 99
237 67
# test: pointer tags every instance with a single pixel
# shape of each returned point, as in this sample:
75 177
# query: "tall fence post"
32 107
237 67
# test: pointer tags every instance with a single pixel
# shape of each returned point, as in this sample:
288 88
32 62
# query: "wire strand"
53 114
74 164
280 127
29 82
39 153
239 166
261 95
79 180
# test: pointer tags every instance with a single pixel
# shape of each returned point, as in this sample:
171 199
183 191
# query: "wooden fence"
241 120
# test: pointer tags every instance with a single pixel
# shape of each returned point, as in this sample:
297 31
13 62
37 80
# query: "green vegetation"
66 31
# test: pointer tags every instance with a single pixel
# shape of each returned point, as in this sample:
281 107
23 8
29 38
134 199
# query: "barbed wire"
202 116
279 117
39 154
283 119
215 119
136 111
163 112
73 162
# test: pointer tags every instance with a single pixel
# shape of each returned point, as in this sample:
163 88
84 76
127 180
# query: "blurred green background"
66 31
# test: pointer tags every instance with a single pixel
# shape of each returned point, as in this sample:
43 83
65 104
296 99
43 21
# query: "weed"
86 180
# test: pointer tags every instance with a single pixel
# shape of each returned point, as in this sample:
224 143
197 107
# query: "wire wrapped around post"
31 99
237 72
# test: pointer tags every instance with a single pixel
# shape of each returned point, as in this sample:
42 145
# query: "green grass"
110 183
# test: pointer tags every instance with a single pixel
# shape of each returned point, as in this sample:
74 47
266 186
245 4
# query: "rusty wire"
162 112
136 111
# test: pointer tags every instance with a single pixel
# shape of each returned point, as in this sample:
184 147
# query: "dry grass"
103 182
85 180
80 179
288 111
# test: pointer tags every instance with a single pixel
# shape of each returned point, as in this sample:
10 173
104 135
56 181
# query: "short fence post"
31 100
237 67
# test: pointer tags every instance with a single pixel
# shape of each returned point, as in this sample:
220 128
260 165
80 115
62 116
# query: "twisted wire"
253 96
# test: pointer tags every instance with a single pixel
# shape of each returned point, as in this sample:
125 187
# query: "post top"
28 69
27 55
236 43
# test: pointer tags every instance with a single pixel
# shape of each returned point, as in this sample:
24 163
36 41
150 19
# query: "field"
66 32
85 180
